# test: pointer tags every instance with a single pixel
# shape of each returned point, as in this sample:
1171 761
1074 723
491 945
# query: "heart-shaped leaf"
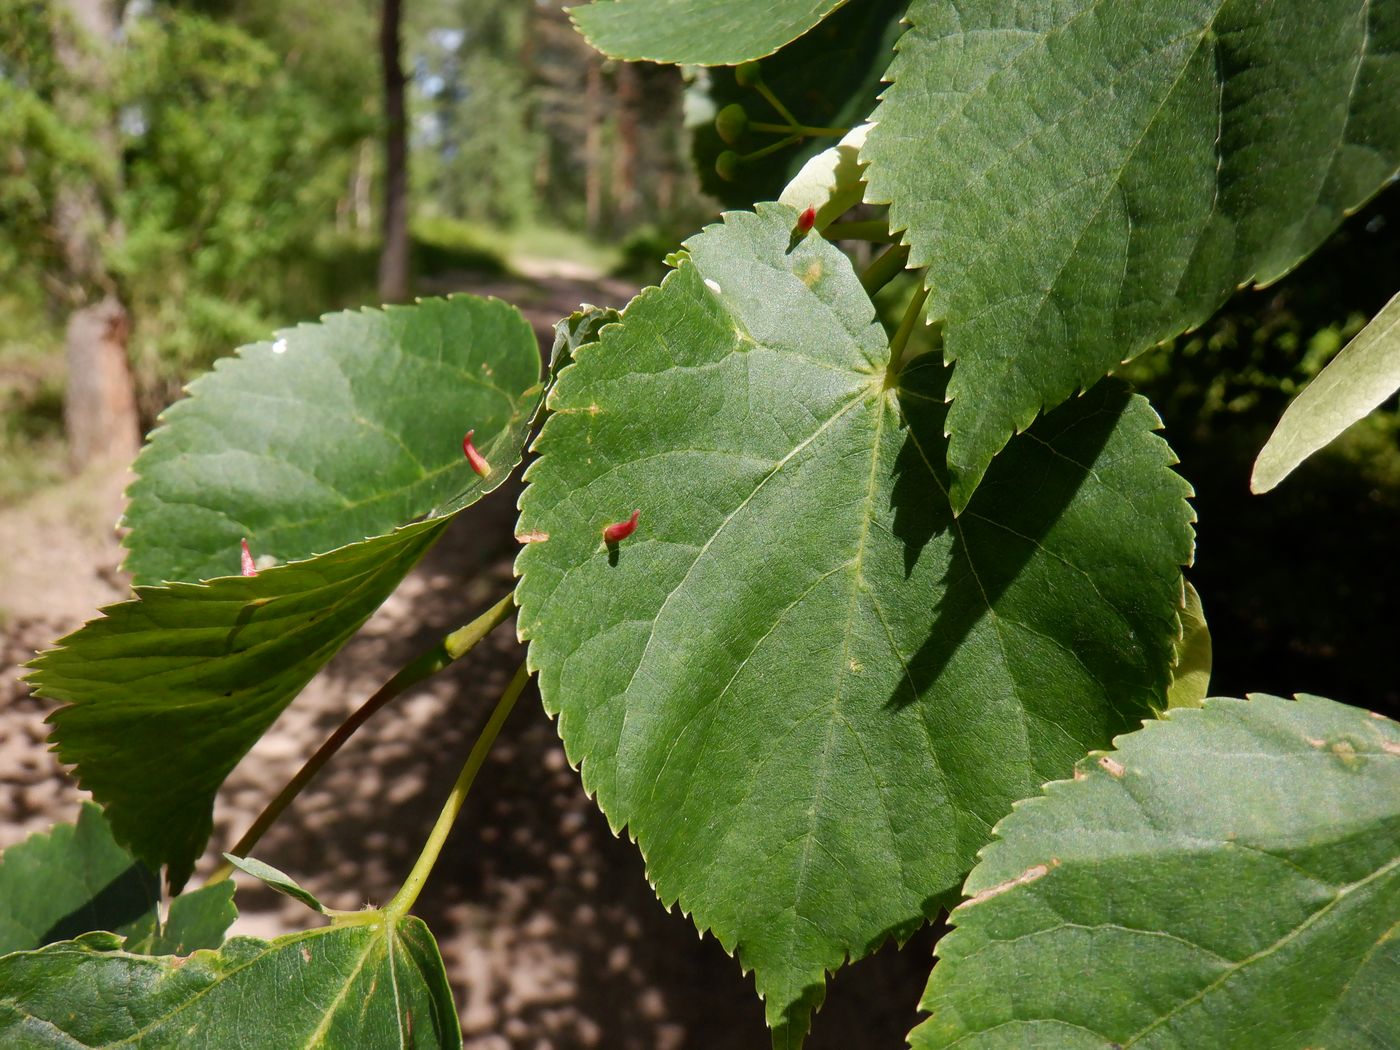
1229 877
803 685
371 984
1085 179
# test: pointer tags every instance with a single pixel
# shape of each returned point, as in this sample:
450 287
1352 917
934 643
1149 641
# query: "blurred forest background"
218 168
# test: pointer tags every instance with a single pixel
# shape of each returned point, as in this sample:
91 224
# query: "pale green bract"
804 686
1229 877
696 32
1085 179
1357 380
373 984
337 450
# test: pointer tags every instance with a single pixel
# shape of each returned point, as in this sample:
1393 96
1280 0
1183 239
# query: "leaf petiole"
804 130
885 267
900 340
451 648
423 866
876 230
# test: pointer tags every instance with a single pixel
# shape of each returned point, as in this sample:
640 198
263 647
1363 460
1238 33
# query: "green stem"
423 866
451 648
912 313
876 230
883 270
776 103
805 130
772 147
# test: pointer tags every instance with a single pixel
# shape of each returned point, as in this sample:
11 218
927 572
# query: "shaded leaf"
1357 380
278 880
1229 877
696 32
70 880
1088 178
367 985
330 434
804 686
75 879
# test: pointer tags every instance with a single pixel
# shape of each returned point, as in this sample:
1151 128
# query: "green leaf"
578 329
828 78
1194 656
329 434
832 182
367 985
197 919
278 880
1230 877
696 32
75 879
332 433
72 879
1357 380
804 687
1085 179
168 691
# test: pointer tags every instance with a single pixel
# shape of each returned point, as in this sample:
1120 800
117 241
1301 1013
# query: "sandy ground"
551 935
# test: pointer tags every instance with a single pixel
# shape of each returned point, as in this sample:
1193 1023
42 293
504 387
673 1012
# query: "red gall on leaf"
619 531
475 458
807 219
247 567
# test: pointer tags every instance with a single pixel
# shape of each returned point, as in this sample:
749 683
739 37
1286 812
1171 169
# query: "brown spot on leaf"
532 537
305 954
1390 748
1030 875
1114 768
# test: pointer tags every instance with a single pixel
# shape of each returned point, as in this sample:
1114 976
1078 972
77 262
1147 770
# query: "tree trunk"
625 150
592 146
100 400
393 256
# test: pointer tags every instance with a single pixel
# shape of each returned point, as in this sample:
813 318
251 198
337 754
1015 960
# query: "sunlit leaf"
1085 179
1357 380
376 984
696 32
804 686
1229 877
332 438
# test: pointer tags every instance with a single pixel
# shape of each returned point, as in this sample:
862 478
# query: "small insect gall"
807 219
475 458
619 531
247 567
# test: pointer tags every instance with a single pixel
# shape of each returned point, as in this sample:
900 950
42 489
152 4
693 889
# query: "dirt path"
551 935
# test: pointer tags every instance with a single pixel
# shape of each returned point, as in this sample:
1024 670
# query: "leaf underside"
1355 382
696 32
803 686
1229 877
1085 179
328 439
370 985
